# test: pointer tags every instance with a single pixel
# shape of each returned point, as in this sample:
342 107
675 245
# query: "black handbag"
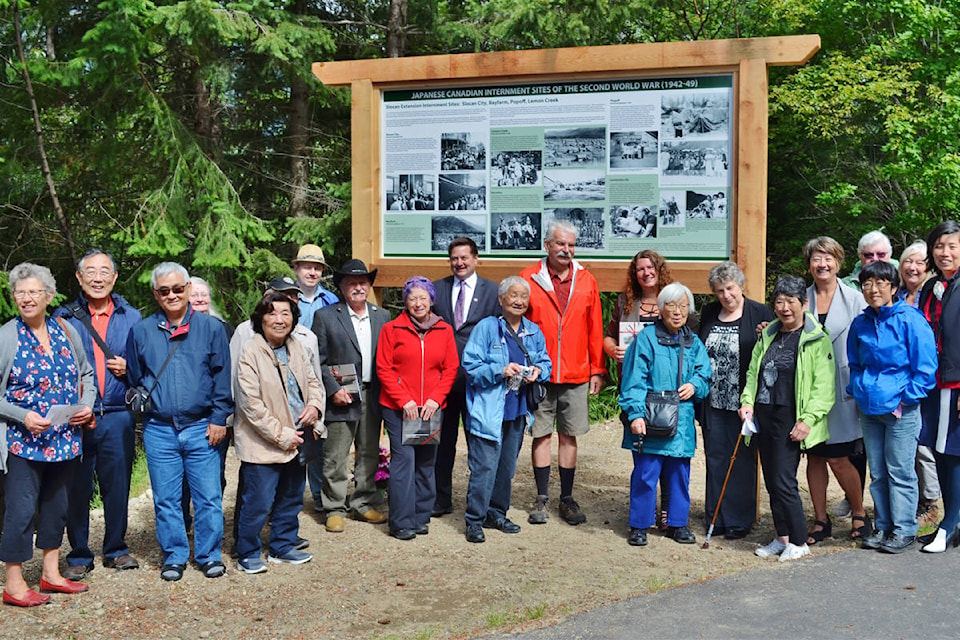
137 398
535 391
662 408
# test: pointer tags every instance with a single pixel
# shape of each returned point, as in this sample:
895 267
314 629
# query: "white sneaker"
939 544
793 552
842 510
774 548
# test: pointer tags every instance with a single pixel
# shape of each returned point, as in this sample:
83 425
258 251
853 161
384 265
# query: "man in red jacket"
565 303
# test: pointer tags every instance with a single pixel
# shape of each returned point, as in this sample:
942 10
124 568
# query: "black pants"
780 459
34 488
739 507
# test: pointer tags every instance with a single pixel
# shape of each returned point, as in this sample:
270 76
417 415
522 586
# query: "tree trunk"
207 117
38 131
298 132
396 29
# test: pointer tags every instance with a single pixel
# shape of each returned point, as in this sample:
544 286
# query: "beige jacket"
264 427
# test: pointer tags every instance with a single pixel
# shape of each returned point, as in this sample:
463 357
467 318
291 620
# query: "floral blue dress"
37 382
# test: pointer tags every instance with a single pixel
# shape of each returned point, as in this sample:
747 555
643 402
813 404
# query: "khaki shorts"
567 404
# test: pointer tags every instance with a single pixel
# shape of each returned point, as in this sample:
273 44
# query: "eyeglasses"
177 289
870 285
869 255
199 295
33 294
91 272
676 306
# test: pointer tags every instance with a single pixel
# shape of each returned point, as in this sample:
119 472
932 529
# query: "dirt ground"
363 583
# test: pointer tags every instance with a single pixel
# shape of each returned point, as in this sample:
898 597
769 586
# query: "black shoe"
896 543
927 538
874 540
736 533
505 525
638 537
570 512
404 534
422 530
439 512
213 569
77 571
172 572
301 544
475 533
683 535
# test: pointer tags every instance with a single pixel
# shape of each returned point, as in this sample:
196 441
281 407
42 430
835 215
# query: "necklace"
648 308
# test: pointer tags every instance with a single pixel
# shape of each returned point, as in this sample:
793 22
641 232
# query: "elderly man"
565 303
463 300
347 333
873 247
182 359
103 320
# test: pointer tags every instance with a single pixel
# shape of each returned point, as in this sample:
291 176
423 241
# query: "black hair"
880 270
265 306
945 228
792 287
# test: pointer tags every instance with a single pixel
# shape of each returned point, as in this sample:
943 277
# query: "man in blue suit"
463 300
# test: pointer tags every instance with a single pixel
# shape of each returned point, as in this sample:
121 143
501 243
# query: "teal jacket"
815 380
650 364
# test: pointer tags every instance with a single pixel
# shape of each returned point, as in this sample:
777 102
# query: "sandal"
826 531
863 530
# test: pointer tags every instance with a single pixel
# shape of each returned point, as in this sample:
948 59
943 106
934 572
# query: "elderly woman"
835 305
728 329
913 272
940 410
43 370
634 309
279 401
503 356
893 363
660 355
790 388
417 364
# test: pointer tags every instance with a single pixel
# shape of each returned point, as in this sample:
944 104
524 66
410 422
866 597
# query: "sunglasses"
870 254
163 292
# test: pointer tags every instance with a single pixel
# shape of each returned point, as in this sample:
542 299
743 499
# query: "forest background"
194 131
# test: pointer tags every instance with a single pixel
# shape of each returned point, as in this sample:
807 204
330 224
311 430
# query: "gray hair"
28 270
725 272
674 292
213 307
560 225
874 238
164 269
96 252
917 246
512 281
790 286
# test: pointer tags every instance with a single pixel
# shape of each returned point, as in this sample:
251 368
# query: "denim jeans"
492 465
171 455
275 491
891 445
108 451
648 469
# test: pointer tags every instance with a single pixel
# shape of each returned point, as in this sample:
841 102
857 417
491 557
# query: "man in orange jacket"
565 303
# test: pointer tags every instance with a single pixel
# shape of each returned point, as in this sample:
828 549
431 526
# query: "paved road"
850 594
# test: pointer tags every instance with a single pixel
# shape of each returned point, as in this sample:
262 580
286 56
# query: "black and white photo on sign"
462 152
587 220
671 212
518 231
411 192
697 115
444 228
576 147
574 185
707 204
633 221
516 168
463 191
695 158
633 150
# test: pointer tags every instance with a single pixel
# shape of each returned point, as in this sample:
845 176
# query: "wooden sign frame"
747 59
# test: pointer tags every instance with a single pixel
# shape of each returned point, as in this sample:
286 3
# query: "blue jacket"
118 329
893 358
195 386
484 358
650 364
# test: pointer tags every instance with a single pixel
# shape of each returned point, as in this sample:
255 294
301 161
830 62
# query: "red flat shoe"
69 586
30 599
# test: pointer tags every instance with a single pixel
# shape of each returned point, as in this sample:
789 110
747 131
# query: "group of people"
840 373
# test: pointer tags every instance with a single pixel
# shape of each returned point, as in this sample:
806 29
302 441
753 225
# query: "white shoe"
842 510
939 544
793 552
774 548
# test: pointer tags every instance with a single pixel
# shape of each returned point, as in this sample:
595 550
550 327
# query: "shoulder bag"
535 391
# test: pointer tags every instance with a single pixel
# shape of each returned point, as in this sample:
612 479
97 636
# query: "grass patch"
504 618
604 405
656 584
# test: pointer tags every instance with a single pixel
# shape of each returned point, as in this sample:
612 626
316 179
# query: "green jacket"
815 378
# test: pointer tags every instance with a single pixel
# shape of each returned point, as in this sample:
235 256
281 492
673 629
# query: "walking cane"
723 490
